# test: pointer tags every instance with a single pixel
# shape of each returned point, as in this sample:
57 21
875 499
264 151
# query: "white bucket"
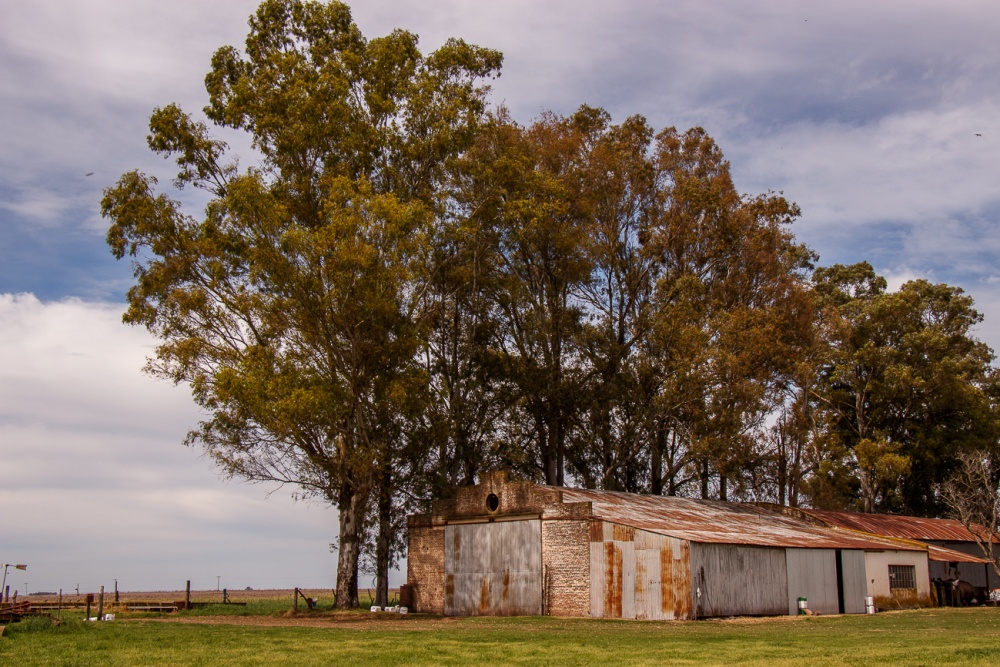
869 605
375 609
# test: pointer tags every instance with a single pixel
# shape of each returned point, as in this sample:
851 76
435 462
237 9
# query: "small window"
492 502
902 578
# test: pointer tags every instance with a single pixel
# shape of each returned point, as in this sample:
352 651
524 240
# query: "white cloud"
91 459
866 114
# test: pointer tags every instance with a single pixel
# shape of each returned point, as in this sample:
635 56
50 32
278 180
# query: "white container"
869 605
109 617
375 609
403 610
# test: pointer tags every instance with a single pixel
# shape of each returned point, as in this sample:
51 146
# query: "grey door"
854 586
493 569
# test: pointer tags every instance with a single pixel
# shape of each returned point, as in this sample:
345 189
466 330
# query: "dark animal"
963 593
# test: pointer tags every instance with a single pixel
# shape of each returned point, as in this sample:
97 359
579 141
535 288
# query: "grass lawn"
922 637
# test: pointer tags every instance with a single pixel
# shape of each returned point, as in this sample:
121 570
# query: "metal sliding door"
493 569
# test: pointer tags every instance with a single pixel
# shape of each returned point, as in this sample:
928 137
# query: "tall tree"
526 198
293 307
906 387
730 305
618 196
972 495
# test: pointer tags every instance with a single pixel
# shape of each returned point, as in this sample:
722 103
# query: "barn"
952 550
507 547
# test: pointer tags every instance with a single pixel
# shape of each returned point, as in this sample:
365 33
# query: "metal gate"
493 569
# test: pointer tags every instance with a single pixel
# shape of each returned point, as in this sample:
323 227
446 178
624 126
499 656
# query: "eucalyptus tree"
618 198
730 306
525 197
293 306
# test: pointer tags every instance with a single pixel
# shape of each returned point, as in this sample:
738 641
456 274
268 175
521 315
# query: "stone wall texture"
425 565
566 557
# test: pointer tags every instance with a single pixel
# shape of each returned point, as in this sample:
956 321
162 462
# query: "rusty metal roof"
951 556
907 527
710 521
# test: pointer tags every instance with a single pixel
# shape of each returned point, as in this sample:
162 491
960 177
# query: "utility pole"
18 566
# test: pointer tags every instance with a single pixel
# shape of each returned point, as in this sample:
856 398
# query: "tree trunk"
384 540
350 507
656 467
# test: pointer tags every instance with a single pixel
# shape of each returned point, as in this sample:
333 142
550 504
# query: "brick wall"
566 556
425 564
565 540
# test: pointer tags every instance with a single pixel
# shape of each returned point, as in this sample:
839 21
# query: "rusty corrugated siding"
907 527
493 569
639 575
737 580
714 522
944 555
596 531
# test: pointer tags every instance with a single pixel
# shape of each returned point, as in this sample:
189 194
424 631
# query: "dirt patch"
341 621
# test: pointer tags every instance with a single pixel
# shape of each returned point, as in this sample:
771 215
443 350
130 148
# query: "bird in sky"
89 173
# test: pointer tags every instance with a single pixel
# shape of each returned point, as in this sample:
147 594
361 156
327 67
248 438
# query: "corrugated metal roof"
951 556
709 521
907 527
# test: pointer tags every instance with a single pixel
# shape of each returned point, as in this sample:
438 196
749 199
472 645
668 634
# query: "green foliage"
405 289
293 309
904 386
929 637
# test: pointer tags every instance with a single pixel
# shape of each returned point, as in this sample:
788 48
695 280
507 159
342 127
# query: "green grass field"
921 637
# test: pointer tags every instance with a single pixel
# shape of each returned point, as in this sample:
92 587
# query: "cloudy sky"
881 120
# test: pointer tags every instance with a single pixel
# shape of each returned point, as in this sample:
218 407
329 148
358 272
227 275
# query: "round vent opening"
492 502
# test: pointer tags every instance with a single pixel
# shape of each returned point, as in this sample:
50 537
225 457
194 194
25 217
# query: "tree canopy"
403 288
294 307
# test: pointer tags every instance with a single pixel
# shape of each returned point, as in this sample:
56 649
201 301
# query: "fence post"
295 598
187 595
100 605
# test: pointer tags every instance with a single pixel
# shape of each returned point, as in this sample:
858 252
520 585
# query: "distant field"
196 595
264 601
208 637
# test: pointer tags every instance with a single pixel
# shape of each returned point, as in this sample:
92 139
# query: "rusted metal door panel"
642 575
682 574
612 570
736 580
641 584
628 579
520 568
648 593
493 569
597 579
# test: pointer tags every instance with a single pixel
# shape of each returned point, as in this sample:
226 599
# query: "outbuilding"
952 549
516 548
